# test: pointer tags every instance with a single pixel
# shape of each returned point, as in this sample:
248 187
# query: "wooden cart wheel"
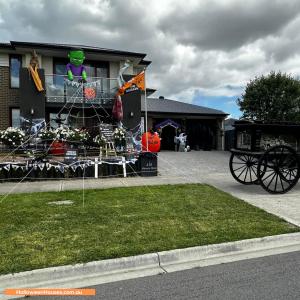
278 169
243 168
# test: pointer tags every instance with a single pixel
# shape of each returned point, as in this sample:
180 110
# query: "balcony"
96 90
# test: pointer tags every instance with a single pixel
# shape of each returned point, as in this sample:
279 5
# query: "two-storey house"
63 102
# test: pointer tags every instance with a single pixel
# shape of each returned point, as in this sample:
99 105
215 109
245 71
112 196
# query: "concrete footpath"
177 167
98 272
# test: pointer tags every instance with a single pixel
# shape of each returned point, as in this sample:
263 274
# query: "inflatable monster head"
76 57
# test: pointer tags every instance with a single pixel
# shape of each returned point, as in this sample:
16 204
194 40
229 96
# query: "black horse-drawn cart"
267 154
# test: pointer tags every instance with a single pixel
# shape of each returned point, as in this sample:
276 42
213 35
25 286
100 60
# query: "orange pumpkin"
57 148
153 142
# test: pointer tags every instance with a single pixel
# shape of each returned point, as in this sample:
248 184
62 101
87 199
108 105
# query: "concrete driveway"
179 167
212 167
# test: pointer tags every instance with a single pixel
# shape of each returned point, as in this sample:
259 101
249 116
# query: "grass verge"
123 222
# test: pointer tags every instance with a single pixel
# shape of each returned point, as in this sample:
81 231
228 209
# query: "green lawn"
122 222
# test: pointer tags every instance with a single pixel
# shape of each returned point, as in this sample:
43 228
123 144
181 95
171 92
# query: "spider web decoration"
70 109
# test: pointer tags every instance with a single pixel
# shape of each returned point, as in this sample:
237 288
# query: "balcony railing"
95 91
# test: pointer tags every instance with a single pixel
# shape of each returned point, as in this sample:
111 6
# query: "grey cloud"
231 41
285 45
226 27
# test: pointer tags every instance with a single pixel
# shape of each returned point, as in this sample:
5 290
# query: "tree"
275 97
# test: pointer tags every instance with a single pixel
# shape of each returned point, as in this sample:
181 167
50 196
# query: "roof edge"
145 62
219 112
86 48
183 113
6 45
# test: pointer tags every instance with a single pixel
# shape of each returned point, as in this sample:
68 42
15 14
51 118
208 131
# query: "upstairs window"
96 69
15 63
59 72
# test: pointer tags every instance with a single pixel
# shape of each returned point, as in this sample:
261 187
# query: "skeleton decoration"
33 71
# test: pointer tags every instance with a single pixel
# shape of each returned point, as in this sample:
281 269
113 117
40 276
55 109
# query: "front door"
167 138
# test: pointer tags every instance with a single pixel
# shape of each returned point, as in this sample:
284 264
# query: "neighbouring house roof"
228 124
155 105
150 91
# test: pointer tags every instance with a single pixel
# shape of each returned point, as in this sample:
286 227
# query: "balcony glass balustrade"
95 91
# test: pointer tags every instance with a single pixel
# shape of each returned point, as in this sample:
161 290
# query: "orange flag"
134 84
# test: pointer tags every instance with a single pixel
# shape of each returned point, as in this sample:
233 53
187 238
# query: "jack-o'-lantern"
89 93
153 142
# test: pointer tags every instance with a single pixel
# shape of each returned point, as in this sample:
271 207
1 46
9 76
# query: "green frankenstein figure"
75 67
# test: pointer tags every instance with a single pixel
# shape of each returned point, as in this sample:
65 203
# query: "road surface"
273 277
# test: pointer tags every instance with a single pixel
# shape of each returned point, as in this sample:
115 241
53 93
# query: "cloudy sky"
203 51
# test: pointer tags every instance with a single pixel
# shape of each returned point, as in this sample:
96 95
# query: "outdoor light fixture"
131 114
32 111
222 132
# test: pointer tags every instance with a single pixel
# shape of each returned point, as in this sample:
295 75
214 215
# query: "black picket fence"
145 165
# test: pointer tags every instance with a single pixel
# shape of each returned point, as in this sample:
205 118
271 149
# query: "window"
102 71
59 71
15 63
96 69
60 68
15 117
244 140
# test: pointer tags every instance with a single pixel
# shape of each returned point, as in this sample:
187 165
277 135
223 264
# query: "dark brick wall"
8 98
